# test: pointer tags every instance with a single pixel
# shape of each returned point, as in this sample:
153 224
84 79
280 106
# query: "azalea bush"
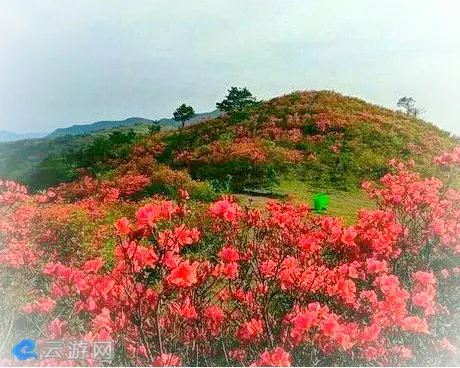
186 283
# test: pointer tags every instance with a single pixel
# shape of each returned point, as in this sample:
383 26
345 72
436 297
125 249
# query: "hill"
21 160
297 144
97 126
7 136
130 122
320 137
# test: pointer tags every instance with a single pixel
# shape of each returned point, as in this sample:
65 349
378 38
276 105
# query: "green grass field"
341 203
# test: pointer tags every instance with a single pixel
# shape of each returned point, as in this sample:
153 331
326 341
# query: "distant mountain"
197 118
97 126
7 136
130 122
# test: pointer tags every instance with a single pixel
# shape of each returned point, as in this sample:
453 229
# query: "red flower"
93 265
184 275
123 226
349 235
167 360
225 209
250 331
278 357
229 254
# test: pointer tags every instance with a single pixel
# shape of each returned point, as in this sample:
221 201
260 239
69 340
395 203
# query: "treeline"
100 155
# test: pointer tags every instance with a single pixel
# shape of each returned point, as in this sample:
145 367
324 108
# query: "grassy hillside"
19 160
297 144
322 138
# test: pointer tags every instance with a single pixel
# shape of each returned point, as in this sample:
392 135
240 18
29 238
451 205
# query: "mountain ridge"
128 122
9 136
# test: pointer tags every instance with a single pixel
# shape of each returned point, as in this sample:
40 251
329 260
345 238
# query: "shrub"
219 284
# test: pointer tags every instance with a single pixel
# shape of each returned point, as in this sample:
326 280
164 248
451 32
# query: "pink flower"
213 316
186 309
268 268
445 345
330 325
225 209
250 331
415 324
278 357
426 278
183 194
184 275
375 266
185 236
93 265
152 213
229 254
42 306
349 235
123 226
167 360
57 328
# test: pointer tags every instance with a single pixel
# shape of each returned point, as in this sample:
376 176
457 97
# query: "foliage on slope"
329 139
320 137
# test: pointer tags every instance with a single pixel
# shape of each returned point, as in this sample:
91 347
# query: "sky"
76 62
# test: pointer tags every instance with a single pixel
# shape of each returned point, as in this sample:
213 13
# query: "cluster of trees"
234 104
96 157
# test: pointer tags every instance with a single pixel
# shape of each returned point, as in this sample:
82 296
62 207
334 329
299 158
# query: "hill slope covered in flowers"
320 137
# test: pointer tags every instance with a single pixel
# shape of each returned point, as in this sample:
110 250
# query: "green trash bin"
320 202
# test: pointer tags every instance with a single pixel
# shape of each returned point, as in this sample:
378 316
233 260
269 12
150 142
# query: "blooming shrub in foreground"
227 285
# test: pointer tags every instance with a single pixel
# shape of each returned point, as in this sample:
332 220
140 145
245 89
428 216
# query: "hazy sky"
74 62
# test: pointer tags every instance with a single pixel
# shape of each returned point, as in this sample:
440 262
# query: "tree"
408 103
155 127
237 100
183 113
